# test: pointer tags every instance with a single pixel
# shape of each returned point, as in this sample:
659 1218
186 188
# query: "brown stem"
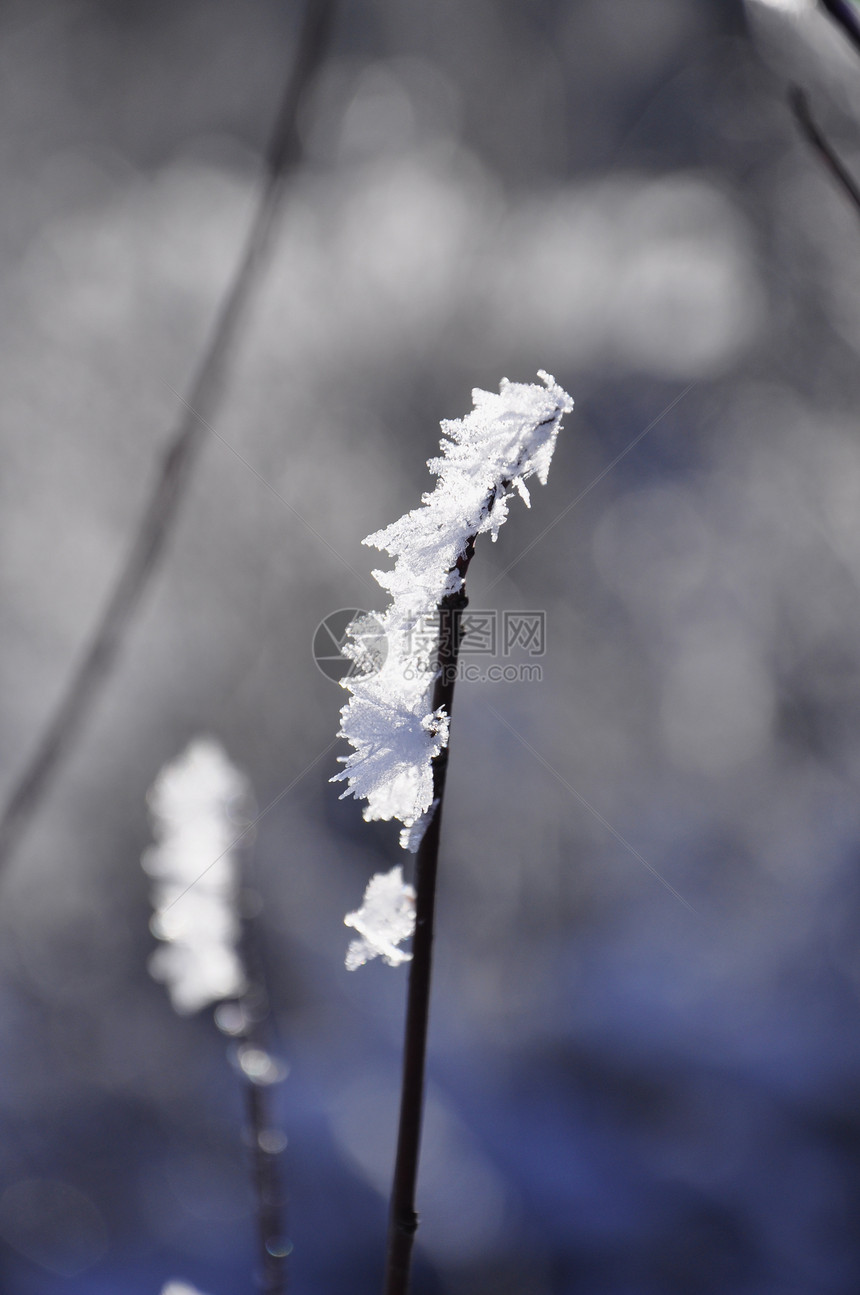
403 1220
180 456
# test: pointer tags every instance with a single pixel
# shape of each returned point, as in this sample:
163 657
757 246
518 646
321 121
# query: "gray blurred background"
638 1084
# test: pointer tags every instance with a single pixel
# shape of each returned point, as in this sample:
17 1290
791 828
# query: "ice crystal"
411 837
389 719
195 880
386 917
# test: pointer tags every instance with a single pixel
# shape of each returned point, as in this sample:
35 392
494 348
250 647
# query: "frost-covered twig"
403 1219
390 720
398 717
177 464
197 804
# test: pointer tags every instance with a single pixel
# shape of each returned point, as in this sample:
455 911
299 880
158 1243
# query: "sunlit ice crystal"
389 719
386 918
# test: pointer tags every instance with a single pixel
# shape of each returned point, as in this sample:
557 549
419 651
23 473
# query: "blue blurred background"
639 1084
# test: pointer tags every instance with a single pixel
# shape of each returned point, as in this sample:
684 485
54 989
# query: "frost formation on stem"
389 720
386 917
195 876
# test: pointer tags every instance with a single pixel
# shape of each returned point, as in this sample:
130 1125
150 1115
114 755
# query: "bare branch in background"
803 116
844 13
204 393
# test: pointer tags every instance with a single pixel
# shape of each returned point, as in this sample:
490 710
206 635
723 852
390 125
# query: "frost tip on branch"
389 721
195 877
385 919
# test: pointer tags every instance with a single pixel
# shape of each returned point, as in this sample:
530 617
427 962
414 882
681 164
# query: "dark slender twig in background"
267 1189
261 1127
282 155
257 1081
803 116
844 13
403 1220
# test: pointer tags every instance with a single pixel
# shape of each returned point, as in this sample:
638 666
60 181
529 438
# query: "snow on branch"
195 877
389 720
386 917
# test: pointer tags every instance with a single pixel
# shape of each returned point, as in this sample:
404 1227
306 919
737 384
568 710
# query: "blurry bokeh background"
629 1093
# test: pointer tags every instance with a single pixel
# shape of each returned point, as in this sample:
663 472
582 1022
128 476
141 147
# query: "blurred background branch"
799 104
199 408
845 14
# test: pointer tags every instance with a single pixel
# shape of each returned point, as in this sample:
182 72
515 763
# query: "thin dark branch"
272 1279
262 1129
403 1220
803 116
844 13
178 461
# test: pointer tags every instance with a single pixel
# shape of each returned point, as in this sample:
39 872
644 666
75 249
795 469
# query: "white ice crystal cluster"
389 719
386 917
195 876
